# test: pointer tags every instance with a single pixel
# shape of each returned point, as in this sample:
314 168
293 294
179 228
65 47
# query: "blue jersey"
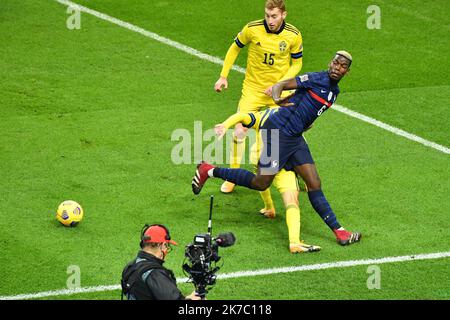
315 94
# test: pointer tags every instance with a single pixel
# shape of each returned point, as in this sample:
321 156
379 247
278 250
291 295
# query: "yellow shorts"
254 101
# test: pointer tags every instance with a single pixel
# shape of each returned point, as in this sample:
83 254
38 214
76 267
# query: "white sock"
210 172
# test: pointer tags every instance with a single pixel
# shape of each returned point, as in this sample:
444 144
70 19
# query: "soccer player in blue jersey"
283 142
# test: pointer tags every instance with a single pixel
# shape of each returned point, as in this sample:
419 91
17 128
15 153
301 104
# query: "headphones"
145 237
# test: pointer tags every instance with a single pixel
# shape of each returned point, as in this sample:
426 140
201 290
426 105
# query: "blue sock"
241 177
322 207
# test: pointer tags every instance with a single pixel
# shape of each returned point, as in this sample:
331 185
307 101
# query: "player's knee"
260 185
314 184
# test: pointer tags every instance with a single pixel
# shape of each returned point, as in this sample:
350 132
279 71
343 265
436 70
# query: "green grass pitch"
88 115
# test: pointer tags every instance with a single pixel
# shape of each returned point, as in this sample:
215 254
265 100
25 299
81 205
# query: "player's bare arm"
278 88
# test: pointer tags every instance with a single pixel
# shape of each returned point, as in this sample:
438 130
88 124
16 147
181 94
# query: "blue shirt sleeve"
304 80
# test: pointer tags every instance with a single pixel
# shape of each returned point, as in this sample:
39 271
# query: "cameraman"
145 278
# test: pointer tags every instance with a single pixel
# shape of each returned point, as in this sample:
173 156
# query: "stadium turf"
88 115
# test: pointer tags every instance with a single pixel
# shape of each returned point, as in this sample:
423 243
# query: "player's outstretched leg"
240 177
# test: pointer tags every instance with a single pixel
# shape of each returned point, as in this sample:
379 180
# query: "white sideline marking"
62 292
250 273
149 34
338 264
219 61
390 128
411 13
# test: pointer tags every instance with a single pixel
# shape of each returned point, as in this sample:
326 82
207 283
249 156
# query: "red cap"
157 234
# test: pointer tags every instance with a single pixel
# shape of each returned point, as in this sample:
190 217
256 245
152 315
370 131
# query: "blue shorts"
281 151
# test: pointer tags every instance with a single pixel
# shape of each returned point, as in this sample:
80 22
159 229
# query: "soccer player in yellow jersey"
275 53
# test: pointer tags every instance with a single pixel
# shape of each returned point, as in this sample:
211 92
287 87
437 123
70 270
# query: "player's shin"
237 151
240 177
269 208
267 198
293 223
322 207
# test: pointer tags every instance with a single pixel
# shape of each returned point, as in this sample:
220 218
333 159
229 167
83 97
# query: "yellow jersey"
269 53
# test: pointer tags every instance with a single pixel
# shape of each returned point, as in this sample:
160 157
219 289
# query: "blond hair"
346 55
272 4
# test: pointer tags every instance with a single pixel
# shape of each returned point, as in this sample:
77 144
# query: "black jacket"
145 278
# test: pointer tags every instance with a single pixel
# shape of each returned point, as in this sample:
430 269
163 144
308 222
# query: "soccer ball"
69 213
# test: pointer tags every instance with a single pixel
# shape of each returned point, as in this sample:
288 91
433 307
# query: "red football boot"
345 237
200 177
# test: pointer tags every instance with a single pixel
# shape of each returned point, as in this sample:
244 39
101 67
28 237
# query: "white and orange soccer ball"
69 213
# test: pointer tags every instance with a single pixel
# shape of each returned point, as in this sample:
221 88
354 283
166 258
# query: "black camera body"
204 245
202 256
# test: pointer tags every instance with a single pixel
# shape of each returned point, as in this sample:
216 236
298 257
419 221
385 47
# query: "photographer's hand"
193 296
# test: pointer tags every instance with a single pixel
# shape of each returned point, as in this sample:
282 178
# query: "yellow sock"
293 223
266 195
267 198
237 151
